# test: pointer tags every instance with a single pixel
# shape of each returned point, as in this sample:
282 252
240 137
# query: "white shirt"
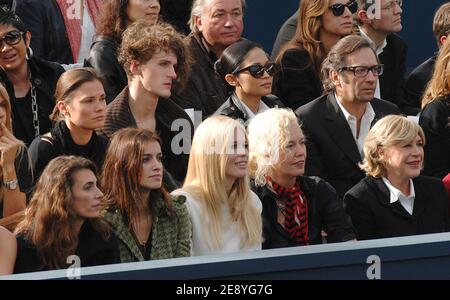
366 121
231 240
379 50
87 34
250 115
396 195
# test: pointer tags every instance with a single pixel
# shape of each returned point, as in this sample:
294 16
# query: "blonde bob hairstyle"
206 176
268 134
392 130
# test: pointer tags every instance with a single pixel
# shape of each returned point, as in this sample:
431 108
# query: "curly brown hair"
113 19
141 41
49 218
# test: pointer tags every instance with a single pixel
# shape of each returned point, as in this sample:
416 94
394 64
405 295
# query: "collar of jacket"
264 191
198 37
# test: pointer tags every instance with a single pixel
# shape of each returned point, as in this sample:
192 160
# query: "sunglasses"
339 8
11 38
257 70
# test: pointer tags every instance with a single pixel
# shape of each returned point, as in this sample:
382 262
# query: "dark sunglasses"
11 38
257 70
339 8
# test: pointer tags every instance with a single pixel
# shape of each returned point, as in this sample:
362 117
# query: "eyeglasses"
11 38
361 71
257 70
339 8
391 5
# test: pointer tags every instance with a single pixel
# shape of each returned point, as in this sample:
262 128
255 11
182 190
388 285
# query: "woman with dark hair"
148 222
15 175
320 25
30 81
80 109
63 219
153 57
248 69
116 16
435 117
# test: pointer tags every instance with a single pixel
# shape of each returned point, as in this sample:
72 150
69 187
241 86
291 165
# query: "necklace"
34 109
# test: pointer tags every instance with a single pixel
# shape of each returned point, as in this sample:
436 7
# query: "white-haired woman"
394 200
296 208
225 213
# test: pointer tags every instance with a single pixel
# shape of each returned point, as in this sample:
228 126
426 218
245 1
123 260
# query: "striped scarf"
295 211
73 22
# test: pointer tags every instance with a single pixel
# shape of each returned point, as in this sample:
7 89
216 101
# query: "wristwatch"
11 184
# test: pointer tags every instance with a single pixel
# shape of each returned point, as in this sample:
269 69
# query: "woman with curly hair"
148 222
115 17
320 25
63 219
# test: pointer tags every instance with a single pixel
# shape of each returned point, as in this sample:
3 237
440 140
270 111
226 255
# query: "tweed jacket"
170 236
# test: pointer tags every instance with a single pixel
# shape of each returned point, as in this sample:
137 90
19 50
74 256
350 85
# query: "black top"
23 118
374 216
92 251
325 212
417 82
59 142
435 122
23 174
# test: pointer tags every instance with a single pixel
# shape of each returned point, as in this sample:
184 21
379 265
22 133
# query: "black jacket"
44 76
204 91
298 82
118 116
332 151
49 38
285 34
435 122
374 216
392 81
325 212
103 58
92 251
417 82
59 142
233 109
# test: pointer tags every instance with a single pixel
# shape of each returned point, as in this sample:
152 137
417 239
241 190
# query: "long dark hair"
233 56
113 19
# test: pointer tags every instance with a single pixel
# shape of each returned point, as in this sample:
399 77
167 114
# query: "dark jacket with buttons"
44 76
374 216
233 108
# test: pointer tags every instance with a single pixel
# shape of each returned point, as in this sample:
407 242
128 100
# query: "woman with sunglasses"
320 25
30 81
247 68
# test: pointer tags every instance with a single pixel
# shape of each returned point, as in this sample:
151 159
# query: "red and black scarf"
295 211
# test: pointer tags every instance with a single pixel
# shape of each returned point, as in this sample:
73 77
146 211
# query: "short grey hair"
197 10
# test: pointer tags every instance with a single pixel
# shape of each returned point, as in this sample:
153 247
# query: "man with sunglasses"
215 25
378 21
336 124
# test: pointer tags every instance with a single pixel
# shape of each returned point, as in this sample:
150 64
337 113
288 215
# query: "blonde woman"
394 200
320 25
225 213
296 208
435 116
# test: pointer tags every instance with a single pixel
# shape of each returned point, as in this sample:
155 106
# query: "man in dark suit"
336 124
420 76
378 22
215 25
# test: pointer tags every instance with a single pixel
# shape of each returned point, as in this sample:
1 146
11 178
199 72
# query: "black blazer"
435 122
373 216
325 212
297 82
233 109
332 151
417 82
392 81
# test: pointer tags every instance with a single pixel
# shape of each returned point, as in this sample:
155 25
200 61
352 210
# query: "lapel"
123 234
385 199
420 200
339 130
379 112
